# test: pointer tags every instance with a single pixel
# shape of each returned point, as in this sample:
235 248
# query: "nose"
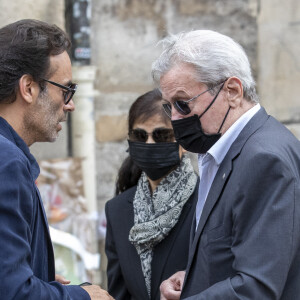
175 115
150 139
70 106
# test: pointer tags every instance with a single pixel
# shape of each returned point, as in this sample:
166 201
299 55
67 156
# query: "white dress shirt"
209 162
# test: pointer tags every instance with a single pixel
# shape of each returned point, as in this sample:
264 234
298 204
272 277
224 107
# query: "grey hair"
214 56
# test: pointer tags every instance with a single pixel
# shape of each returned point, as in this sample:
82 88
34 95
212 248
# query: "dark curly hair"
143 108
25 48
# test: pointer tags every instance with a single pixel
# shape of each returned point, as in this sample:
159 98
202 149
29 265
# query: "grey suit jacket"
247 242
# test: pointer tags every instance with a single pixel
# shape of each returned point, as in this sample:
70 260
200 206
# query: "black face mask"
189 134
157 159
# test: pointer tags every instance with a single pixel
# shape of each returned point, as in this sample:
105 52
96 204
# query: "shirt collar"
221 147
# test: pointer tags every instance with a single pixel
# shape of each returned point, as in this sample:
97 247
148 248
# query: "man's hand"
96 293
170 289
61 279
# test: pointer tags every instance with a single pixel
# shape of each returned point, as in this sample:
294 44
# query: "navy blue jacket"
26 255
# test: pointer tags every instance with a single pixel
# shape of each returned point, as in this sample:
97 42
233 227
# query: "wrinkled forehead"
180 78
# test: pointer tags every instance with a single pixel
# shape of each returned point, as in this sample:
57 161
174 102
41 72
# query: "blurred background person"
149 221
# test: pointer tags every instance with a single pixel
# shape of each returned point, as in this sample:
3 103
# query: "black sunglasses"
70 90
159 135
182 106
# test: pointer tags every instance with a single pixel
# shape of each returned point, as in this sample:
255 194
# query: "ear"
234 88
28 88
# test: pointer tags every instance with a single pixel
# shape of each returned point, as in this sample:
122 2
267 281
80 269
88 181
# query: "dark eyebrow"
179 95
69 83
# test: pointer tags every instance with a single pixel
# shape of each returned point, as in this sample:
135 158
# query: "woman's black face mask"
156 159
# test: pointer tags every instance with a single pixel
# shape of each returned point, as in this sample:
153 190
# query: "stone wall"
279 61
51 11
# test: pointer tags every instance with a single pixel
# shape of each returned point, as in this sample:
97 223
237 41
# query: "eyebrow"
179 94
70 82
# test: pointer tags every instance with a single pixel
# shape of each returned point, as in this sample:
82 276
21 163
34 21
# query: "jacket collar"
10 134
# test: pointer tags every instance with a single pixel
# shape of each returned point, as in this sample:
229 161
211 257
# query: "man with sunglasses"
36 93
245 241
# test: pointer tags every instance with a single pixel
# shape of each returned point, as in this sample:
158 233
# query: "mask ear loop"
212 102
224 119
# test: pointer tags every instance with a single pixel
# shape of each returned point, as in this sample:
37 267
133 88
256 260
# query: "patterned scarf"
155 215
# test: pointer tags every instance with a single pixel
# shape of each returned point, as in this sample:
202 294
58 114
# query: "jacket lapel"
212 197
223 175
192 231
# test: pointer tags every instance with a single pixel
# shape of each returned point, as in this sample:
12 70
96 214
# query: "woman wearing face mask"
149 221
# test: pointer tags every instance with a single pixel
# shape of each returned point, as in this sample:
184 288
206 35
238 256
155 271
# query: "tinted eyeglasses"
159 135
69 90
182 106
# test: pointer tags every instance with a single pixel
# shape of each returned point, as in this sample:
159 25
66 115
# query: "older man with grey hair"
245 239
